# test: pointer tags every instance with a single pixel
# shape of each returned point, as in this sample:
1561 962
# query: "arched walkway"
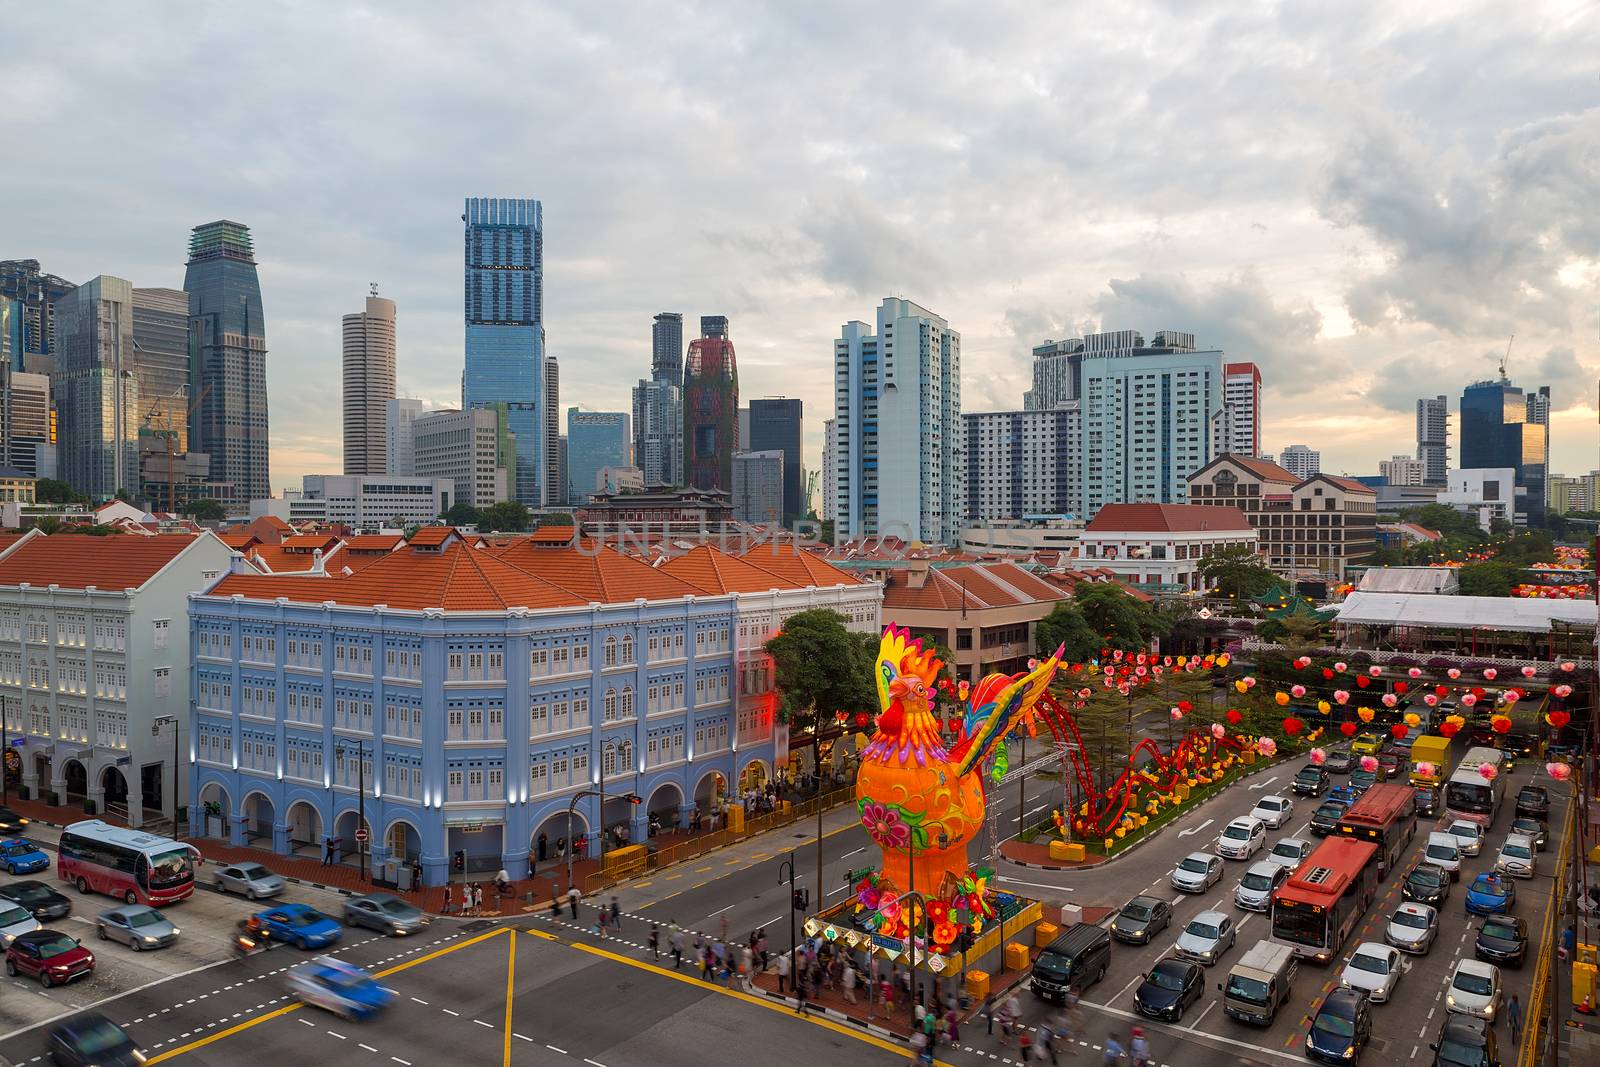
754 776
404 841
305 828
41 772
664 802
214 808
709 790
77 780
344 828
558 834
259 815
114 786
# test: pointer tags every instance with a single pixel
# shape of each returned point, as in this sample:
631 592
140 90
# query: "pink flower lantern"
1318 756
1559 771
1511 697
1369 763
1490 673
1415 672
1488 771
1341 667
1430 700
1267 746
1390 700
1298 691
1341 695
1568 667
1454 673
1176 714
1469 699
1562 691
1249 682
1375 671
1427 770
1218 730
1528 672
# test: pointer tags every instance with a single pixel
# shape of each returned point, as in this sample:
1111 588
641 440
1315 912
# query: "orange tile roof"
373 542
238 541
432 536
77 561
1262 469
1349 485
274 522
978 585
1167 518
596 573
284 559
798 565
558 535
718 572
8 539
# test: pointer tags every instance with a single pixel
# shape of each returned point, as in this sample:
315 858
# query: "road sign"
361 835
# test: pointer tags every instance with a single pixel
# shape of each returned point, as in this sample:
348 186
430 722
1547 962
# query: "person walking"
1514 1016
1114 1050
952 1027
1139 1048
761 946
675 940
847 981
655 942
747 963
572 900
988 1015
445 908
327 851
783 972
555 906
616 913
705 962
544 843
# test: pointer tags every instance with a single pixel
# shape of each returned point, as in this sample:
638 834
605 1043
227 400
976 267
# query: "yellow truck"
1434 751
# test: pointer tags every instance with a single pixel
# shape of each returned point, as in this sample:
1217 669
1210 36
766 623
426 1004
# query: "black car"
1339 761
1519 744
1530 827
45 903
1140 919
1168 990
11 822
1361 781
1533 801
1311 782
91 1038
1427 799
1326 819
1389 763
1465 1041
1341 1027
1502 940
1426 884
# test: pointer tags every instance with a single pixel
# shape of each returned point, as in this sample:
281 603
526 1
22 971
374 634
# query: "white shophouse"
1160 546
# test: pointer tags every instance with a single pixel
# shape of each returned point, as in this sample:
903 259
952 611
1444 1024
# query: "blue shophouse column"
686 815
435 843
518 834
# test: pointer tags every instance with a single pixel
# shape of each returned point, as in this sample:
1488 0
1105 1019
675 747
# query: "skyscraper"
775 425
504 309
830 470
897 426
161 363
400 449
710 407
1402 470
595 440
228 339
1241 409
36 293
1022 463
1433 439
1300 461
758 487
1497 430
1149 416
369 343
1057 374
30 425
555 469
658 405
96 388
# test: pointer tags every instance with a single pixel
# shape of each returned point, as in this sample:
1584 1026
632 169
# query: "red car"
1389 764
51 956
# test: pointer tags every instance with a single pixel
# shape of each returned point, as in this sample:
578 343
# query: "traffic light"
802 899
635 799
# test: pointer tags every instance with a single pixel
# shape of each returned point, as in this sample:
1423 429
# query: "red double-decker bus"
1315 910
1386 815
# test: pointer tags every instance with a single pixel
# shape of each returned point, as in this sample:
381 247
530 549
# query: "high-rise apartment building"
369 357
658 417
595 439
1402 470
30 425
1022 463
710 407
1433 439
504 309
400 416
555 467
96 388
36 294
1150 413
228 340
1498 430
830 470
1057 374
161 363
758 486
775 425
1300 461
474 449
897 426
1241 409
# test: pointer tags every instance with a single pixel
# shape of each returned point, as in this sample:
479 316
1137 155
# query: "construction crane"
171 435
1506 358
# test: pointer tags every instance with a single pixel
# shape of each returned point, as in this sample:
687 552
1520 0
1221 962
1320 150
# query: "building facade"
374 501
1241 409
30 424
1433 438
97 389
161 363
1489 494
1503 427
555 457
1403 470
986 614
759 480
369 361
898 432
776 425
399 442
710 407
504 309
1574 494
476 699
229 343
472 449
1022 463
35 293
1057 374
830 471
666 347
94 665
595 440
1160 547
1300 461
1319 526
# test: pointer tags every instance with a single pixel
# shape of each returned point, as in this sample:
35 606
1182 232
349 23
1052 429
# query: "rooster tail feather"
997 704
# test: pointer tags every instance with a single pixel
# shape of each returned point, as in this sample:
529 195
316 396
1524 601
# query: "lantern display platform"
1016 918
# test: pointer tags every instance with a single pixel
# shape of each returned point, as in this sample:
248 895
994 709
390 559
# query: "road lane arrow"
1263 785
1194 829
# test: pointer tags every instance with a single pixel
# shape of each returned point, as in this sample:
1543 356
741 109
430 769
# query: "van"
1258 985
1077 960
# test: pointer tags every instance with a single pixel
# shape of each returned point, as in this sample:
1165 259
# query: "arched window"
627 702
627 648
610 653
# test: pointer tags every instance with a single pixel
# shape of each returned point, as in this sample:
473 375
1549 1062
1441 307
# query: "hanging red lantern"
1400 687
1292 726
1558 719
1363 681
1449 729
1442 690
1327 674
1348 729
1233 717
1185 707
862 718
1398 731
1500 724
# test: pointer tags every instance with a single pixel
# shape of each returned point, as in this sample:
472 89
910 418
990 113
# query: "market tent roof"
1532 615
1410 580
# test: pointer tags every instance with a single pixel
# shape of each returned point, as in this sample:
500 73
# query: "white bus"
131 865
1468 794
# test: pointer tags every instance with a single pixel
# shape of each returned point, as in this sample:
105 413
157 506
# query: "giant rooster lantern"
921 802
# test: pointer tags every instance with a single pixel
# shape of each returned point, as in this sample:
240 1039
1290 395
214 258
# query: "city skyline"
1296 267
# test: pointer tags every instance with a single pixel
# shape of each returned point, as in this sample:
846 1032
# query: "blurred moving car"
1502 940
136 925
299 924
45 903
1533 801
89 1039
14 920
1464 1041
1531 828
249 880
385 913
11 822
340 988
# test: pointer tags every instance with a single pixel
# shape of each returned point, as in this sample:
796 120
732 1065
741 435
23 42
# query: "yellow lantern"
1365 714
1281 698
1324 707
1240 686
1413 719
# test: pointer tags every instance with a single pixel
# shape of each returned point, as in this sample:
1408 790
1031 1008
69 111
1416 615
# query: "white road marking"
1194 829
397 1059
114 996
596 1063
419 1000
1201 1016
341 1037
1036 885
447 1011
1263 785
1130 985
719 911
552 1048
480 1022
520 1037
369 1048
308 1022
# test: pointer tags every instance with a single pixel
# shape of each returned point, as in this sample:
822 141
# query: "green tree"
821 669
1491 578
463 514
1121 621
1066 626
54 491
508 516
1181 631
205 509
559 518
1237 571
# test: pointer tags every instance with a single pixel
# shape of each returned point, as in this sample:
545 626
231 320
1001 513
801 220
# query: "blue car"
1491 895
299 924
22 856
340 988
1341 795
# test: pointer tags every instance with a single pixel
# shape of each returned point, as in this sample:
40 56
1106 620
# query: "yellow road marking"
173 1053
511 973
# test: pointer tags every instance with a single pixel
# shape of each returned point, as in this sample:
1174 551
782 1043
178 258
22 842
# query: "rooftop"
1167 518
970 587
1263 469
1429 610
77 561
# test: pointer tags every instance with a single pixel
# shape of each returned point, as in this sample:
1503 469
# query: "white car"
1469 836
1474 989
14 920
1273 810
1254 891
1412 928
1444 851
1196 873
1206 938
1516 857
1375 968
1242 838
1290 852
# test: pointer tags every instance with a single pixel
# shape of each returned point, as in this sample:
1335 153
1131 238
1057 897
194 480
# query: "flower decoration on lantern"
1563 691
1415 672
1398 731
1218 730
1318 756
1240 686
1376 672
1341 696
1292 726
1559 771
1176 714
1568 668
1529 672
1348 729
1454 673
1411 718
1297 691
1267 747
1365 714
1389 700
1323 707
1281 698
1369 763
1426 769
1430 699
1303 662
1469 699
1341 667
1488 771
1362 681
1490 673
1500 724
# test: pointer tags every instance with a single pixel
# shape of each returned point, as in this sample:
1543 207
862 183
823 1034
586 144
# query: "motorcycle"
247 942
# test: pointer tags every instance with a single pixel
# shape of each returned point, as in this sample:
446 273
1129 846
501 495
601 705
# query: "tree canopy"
1066 626
205 509
1120 620
555 519
1491 578
821 668
463 514
1238 572
508 516
55 491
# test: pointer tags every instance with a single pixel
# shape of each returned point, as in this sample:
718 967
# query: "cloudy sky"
1367 199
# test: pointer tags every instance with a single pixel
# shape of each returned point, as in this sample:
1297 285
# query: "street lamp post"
155 729
361 795
794 937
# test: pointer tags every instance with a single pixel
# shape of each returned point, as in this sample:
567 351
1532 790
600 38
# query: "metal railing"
1541 1000
699 846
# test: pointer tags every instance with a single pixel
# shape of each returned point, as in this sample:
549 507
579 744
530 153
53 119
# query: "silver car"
14 920
385 913
249 880
137 926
